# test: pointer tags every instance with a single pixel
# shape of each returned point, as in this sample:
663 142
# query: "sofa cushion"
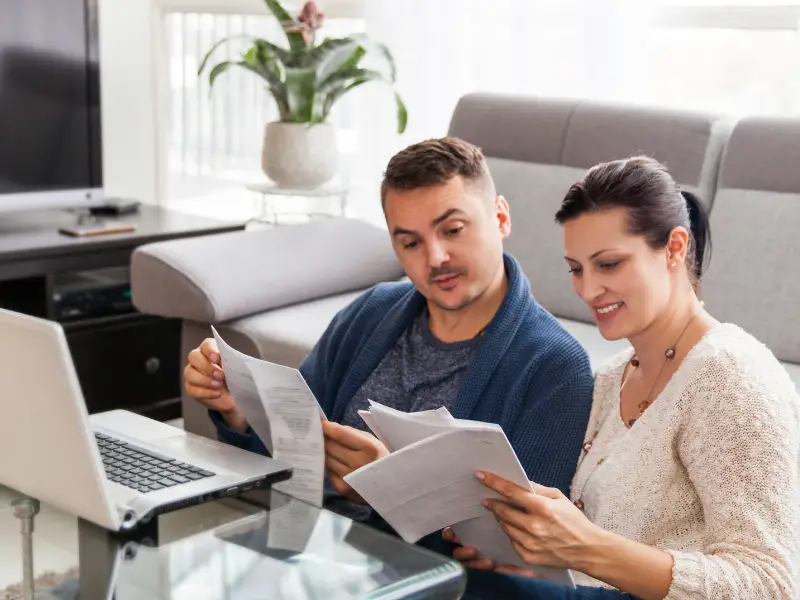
689 143
285 335
751 279
534 193
222 277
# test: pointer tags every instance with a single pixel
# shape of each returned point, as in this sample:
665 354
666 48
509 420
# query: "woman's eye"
575 271
609 265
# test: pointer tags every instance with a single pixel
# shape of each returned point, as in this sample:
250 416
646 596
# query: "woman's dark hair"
655 205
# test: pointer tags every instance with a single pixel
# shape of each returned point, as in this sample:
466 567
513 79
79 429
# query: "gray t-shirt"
420 372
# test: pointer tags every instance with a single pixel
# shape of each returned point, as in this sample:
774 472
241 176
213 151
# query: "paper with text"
282 410
294 418
243 389
418 495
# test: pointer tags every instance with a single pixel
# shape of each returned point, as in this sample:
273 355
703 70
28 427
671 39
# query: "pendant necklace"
669 354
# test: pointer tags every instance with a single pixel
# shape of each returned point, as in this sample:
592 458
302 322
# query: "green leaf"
296 40
217 45
329 53
301 92
287 57
402 113
345 80
382 49
217 71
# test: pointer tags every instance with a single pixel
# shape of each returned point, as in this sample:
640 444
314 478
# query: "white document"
282 410
431 484
397 429
294 420
243 388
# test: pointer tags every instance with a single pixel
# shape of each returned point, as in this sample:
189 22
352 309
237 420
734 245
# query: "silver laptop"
115 468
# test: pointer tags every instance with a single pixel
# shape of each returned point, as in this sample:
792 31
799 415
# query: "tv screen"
49 101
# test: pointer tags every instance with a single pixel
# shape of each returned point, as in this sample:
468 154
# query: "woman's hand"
544 526
470 558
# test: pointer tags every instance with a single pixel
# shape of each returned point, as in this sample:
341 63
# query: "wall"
130 162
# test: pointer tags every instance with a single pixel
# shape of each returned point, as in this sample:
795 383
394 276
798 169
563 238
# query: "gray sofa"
271 293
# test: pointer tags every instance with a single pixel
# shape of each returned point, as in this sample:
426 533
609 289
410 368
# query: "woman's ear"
677 246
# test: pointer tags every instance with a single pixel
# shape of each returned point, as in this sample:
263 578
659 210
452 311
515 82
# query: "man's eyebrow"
440 219
446 215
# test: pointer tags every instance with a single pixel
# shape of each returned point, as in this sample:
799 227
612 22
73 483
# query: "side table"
278 203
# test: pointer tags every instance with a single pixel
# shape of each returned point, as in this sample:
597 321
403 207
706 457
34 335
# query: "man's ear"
503 214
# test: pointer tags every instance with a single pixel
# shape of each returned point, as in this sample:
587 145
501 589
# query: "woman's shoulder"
730 363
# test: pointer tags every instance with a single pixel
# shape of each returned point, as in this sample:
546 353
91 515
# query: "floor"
55 541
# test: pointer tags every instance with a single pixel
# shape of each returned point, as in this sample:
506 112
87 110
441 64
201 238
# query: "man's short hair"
435 162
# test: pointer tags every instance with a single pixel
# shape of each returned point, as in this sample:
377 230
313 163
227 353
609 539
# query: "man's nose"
437 254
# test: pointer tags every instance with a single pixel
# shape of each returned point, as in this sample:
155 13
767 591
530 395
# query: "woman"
687 485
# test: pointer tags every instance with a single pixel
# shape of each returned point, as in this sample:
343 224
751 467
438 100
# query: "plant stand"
280 206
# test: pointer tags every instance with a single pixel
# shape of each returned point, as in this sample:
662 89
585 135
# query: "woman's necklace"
669 354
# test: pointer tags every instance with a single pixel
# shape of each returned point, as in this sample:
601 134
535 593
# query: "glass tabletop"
229 549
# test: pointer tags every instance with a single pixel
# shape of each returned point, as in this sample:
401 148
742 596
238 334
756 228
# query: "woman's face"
625 283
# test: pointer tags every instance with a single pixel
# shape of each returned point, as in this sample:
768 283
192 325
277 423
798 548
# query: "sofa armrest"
225 276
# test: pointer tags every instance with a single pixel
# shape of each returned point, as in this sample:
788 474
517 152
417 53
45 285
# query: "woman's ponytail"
701 233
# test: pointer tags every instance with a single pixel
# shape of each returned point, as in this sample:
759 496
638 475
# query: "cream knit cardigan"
710 473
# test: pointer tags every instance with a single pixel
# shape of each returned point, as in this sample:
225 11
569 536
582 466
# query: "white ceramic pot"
298 155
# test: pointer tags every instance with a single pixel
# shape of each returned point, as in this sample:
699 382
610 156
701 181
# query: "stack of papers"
428 481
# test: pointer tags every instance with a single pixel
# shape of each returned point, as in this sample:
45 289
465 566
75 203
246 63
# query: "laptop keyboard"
144 470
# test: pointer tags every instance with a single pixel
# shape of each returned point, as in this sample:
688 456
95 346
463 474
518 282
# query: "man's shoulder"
374 303
547 340
384 294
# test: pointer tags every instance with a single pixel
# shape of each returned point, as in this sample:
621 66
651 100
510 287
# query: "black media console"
124 359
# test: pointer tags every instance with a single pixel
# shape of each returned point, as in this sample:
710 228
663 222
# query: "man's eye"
455 230
410 245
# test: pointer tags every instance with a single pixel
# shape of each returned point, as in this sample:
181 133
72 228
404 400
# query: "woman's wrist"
635 568
595 552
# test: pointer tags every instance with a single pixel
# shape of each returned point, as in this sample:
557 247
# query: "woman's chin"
612 331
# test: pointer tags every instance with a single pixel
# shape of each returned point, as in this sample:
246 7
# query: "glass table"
268 546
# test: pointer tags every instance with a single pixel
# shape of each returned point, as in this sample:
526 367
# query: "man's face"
449 239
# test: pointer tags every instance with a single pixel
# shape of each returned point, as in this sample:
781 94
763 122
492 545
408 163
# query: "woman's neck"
676 322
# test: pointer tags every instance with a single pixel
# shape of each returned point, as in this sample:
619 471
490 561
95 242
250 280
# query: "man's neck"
466 323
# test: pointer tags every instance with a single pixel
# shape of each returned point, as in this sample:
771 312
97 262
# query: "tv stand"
124 359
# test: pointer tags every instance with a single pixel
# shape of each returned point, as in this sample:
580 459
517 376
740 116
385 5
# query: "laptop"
115 469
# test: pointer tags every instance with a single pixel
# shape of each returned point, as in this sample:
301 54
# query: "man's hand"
346 450
471 558
204 381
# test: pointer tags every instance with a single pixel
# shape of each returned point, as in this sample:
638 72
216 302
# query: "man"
465 333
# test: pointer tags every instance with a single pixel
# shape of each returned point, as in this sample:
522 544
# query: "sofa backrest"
753 279
536 148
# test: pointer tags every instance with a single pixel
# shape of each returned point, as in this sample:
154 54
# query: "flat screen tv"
50 144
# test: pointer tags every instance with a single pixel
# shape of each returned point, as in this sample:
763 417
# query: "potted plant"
306 79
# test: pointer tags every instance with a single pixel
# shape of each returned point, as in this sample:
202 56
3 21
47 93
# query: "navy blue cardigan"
528 374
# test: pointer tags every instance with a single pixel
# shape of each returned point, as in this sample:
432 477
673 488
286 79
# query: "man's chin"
453 304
